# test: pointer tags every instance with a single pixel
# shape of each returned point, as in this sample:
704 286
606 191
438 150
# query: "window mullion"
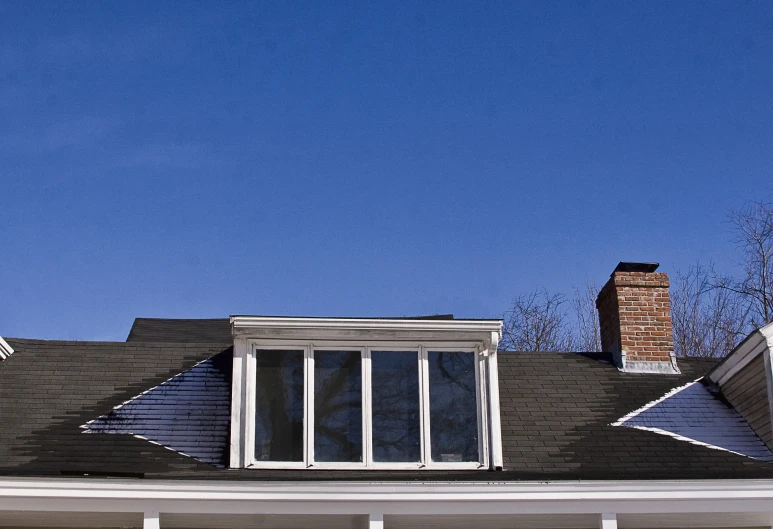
481 401
367 412
308 439
426 455
249 408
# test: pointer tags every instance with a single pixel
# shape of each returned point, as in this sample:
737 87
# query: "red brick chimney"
635 319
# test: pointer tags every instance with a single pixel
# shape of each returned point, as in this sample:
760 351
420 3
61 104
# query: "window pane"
338 406
453 407
279 406
395 406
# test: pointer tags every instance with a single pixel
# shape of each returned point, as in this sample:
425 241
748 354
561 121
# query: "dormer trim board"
745 378
5 349
374 328
304 338
753 345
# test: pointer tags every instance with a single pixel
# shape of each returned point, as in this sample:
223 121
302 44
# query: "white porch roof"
294 505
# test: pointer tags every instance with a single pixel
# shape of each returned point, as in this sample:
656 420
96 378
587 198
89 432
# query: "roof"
210 330
180 330
557 413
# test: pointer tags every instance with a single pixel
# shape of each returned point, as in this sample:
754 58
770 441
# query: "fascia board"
767 332
739 357
208 497
242 325
5 349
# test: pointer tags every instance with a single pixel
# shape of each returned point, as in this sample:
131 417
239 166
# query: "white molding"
608 520
229 497
367 410
745 352
239 418
424 423
5 349
242 435
495 421
150 520
376 521
308 408
768 362
364 324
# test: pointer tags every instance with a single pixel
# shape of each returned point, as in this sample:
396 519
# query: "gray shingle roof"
216 330
557 410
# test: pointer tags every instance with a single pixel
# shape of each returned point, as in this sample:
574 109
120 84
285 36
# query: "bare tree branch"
588 332
708 321
537 322
753 225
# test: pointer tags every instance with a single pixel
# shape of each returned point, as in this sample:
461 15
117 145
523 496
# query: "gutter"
538 498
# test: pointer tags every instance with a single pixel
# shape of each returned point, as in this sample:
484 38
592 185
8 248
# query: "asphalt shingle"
556 409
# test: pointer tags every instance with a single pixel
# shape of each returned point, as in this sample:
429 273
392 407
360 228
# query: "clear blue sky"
201 159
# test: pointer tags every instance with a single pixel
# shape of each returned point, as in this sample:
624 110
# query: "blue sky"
201 159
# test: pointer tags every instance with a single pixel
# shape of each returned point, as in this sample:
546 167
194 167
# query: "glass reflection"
395 406
453 407
279 406
338 406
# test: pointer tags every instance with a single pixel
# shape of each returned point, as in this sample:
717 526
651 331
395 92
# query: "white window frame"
481 343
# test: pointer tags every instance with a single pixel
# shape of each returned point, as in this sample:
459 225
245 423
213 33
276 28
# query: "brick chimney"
635 319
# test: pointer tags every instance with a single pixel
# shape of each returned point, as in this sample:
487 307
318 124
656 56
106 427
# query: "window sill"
362 466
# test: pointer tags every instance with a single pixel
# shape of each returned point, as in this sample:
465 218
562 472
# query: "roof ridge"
134 344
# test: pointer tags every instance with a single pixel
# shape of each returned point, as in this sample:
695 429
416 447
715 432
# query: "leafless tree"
537 322
753 225
707 321
587 331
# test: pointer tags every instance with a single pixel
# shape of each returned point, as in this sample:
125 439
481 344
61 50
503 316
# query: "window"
339 402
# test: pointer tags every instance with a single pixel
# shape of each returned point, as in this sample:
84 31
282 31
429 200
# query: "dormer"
346 393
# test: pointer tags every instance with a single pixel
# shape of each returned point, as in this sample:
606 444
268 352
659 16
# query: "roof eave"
743 353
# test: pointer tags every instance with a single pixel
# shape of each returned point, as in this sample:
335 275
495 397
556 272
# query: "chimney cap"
636 267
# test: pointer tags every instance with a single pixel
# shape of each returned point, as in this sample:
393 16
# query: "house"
312 423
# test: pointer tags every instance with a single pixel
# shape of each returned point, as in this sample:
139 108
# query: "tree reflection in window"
395 406
453 407
279 405
338 406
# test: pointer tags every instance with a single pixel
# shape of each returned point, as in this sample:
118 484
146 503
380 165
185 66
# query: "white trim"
608 520
743 353
495 422
768 362
218 497
246 418
238 457
150 520
480 403
308 408
375 521
364 335
367 410
482 408
759 342
339 465
364 324
5 349
426 452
